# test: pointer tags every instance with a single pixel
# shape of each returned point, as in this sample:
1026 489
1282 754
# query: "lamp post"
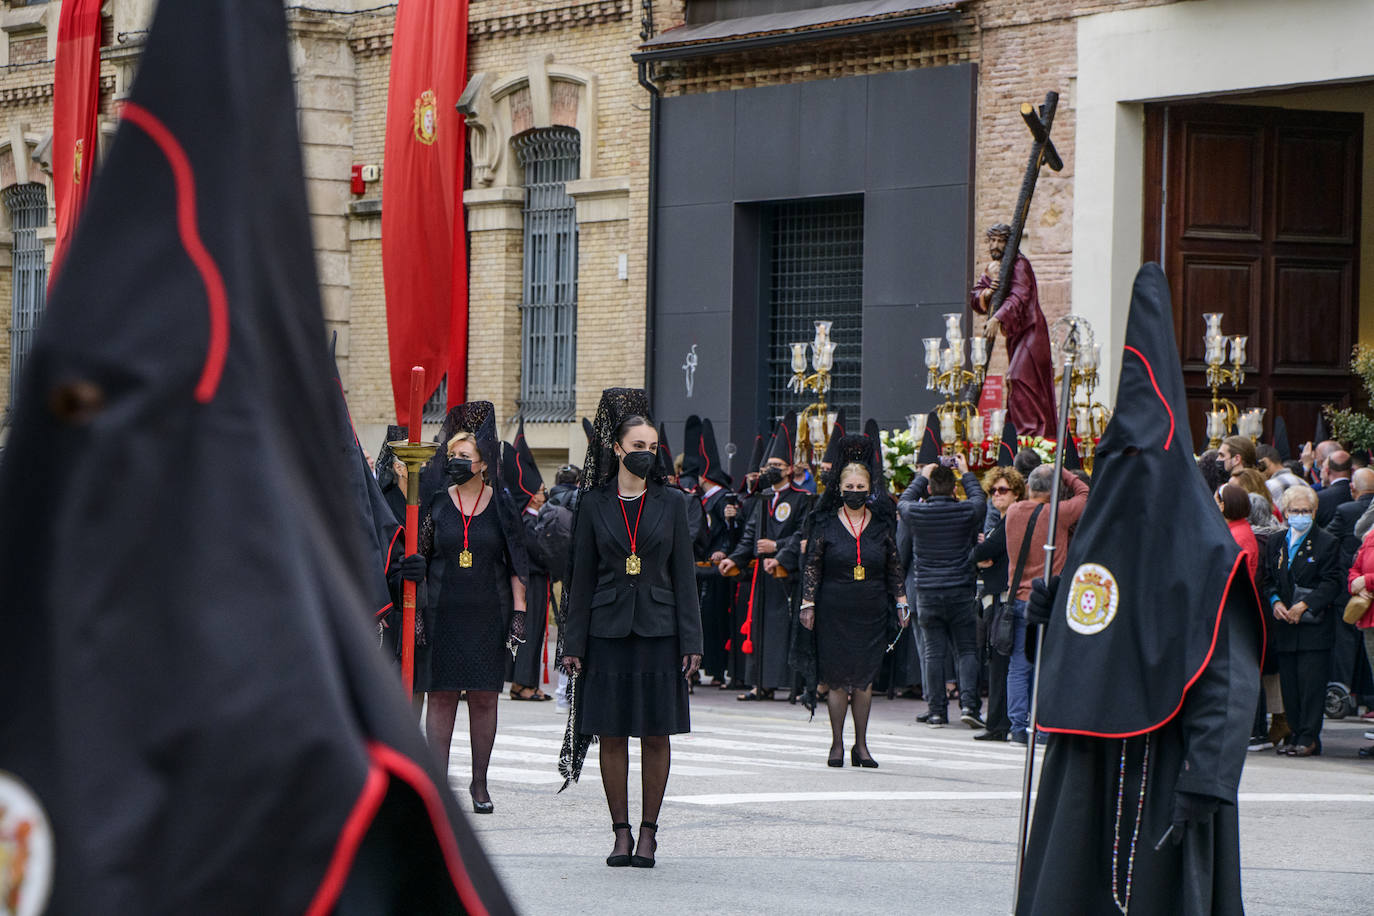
945 373
813 426
1225 414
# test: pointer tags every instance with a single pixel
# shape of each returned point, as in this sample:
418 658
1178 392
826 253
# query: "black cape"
1150 665
201 710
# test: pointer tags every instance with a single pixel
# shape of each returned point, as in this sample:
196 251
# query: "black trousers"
1302 678
715 591
998 721
949 614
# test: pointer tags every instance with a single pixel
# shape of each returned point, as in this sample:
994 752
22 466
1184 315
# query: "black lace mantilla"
599 466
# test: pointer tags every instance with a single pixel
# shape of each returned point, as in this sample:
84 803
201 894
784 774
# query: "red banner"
424 251
76 106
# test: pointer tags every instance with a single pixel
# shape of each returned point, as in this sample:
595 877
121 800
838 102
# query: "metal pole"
1027 776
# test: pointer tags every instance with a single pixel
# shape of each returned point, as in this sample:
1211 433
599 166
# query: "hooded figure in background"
1149 666
720 511
769 556
525 484
391 473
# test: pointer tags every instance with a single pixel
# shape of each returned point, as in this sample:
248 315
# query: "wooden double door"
1254 212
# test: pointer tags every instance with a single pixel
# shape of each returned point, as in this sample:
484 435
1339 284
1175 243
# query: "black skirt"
633 687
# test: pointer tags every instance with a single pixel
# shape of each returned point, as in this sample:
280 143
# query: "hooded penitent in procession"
201 710
769 556
1149 668
722 530
520 474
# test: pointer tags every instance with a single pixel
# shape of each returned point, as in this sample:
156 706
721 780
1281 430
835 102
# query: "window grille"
548 309
436 408
28 208
815 250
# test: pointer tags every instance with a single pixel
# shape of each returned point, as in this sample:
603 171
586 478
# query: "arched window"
548 358
28 209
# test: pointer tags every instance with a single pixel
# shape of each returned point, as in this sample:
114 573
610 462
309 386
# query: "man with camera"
943 531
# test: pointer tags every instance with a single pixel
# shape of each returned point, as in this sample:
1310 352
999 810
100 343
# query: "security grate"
436 408
816 273
548 359
28 208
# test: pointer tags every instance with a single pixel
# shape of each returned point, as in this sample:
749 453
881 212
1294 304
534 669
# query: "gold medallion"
465 559
858 573
632 565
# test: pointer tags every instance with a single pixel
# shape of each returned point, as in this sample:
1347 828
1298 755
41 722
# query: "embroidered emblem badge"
1093 599
426 117
783 511
26 850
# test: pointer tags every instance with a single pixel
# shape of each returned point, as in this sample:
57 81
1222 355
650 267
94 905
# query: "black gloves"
1041 601
412 568
1191 810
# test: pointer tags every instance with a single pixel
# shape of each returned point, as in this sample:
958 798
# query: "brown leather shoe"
1305 750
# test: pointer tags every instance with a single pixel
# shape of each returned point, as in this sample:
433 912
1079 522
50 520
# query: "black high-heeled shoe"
856 761
622 860
836 759
645 861
485 807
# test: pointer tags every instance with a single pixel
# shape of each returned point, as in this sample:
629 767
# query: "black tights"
655 756
439 719
861 701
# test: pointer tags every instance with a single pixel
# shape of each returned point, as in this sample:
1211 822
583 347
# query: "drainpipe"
651 230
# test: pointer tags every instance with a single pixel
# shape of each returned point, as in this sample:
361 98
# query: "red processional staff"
413 453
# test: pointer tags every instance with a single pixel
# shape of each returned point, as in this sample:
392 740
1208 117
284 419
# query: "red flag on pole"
76 105
424 262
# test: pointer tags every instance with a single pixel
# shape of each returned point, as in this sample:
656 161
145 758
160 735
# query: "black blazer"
1315 566
1337 493
1342 527
604 601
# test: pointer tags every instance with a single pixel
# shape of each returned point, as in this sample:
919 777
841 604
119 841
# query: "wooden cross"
1042 153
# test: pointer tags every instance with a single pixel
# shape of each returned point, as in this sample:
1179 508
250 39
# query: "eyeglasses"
1002 491
1293 512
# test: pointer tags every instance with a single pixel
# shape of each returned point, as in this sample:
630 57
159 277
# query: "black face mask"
459 470
855 499
639 463
771 477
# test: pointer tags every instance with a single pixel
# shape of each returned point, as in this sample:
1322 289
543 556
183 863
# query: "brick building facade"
546 64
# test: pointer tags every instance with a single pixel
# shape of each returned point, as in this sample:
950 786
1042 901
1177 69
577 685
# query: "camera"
949 462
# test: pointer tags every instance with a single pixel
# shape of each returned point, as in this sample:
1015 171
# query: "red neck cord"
633 535
467 519
858 544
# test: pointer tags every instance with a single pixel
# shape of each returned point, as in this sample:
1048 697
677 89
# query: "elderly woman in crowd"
1303 582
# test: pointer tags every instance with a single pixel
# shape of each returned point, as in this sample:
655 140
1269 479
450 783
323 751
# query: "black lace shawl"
600 466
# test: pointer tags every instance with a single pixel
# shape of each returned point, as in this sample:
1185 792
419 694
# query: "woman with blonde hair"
852 591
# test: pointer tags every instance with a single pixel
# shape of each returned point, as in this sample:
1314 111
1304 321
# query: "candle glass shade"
999 421
914 422
979 348
1213 321
974 426
949 429
1216 424
825 358
799 357
1092 357
1216 350
816 427
932 345
1238 349
823 331
956 352
954 325
946 361
1083 422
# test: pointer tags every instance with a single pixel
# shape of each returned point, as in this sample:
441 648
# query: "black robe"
721 535
768 618
1068 866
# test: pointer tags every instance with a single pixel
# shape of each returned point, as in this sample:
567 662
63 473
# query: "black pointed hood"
588 431
873 433
1006 450
691 448
202 708
1147 608
711 466
784 443
1320 435
1072 460
837 432
519 471
929 450
386 475
1281 440
663 454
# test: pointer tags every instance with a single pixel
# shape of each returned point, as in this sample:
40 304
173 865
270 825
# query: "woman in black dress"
475 570
632 633
851 581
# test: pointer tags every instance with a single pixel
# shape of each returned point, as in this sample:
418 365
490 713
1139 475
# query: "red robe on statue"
1030 375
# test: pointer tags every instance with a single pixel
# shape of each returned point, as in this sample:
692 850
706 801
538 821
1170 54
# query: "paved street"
755 822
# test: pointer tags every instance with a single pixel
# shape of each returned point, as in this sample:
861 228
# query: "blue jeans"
1019 672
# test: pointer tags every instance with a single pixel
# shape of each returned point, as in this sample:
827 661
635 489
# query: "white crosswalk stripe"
527 753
